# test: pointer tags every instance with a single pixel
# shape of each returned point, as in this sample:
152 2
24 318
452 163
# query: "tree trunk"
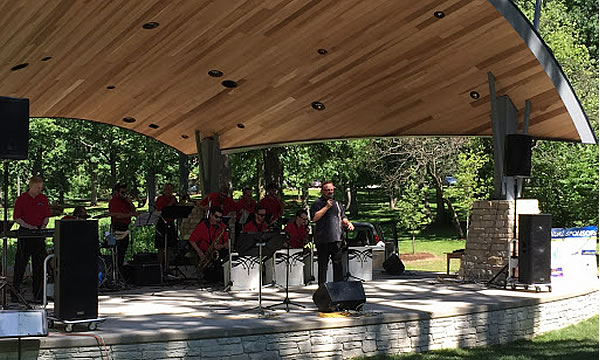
260 179
305 204
151 188
113 167
184 174
353 203
393 201
273 167
455 220
440 213
413 242
94 184
225 177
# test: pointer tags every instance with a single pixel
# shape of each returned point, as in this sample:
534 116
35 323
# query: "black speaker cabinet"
145 274
342 295
517 155
76 281
534 248
14 128
393 265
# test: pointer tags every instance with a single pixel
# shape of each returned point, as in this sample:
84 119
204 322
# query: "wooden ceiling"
391 68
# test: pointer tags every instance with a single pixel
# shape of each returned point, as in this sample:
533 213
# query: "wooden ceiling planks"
392 68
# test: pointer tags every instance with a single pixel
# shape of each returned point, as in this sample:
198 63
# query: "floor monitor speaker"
393 265
76 280
340 295
517 152
14 128
534 248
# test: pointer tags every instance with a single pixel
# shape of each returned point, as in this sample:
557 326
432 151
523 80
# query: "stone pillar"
489 237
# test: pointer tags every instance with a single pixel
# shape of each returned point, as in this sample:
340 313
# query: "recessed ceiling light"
150 25
317 105
439 14
110 87
215 73
322 51
46 58
241 126
474 94
19 67
153 126
128 119
184 136
229 84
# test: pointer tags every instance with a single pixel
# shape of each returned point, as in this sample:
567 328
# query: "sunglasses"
218 216
259 214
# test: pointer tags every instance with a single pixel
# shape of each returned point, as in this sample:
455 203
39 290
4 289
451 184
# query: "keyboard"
31 233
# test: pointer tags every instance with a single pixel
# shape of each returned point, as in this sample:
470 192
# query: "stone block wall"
490 234
498 325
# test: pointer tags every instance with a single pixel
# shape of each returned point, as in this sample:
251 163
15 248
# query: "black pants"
36 248
326 251
122 245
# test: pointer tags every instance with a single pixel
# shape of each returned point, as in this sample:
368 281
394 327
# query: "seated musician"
79 213
256 223
273 203
166 231
221 200
297 230
210 237
31 212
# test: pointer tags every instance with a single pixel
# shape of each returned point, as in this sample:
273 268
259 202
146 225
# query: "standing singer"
329 217
31 212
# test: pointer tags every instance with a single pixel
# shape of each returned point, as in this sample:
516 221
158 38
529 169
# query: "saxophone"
211 254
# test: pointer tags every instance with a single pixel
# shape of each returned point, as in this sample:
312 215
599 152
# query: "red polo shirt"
118 205
273 207
251 227
163 201
297 235
218 199
32 210
245 204
203 237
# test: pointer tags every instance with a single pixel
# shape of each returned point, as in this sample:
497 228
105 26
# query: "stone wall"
489 236
467 329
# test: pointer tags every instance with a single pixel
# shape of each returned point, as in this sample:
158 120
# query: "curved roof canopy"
379 68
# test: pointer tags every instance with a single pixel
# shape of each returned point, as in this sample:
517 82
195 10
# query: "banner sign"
574 254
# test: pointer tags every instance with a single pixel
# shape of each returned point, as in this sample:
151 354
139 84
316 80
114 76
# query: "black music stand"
286 302
264 246
173 212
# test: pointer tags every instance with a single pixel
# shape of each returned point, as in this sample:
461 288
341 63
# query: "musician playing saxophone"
206 232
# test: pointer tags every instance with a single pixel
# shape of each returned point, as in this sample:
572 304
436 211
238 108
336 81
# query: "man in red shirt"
205 233
121 210
31 212
166 231
298 230
221 200
257 224
245 205
273 204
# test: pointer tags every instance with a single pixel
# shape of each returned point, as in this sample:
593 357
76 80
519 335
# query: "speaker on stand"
76 279
534 248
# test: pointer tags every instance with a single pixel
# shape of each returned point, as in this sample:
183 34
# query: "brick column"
489 237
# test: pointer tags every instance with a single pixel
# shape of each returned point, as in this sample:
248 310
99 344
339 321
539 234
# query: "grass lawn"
576 342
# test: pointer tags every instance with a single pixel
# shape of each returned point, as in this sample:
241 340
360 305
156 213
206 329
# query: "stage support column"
505 120
214 168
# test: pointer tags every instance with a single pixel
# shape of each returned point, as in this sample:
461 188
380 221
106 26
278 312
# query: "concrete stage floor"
185 311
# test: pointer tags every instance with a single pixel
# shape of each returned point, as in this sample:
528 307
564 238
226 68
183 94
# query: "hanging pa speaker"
517 155
14 128
340 295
